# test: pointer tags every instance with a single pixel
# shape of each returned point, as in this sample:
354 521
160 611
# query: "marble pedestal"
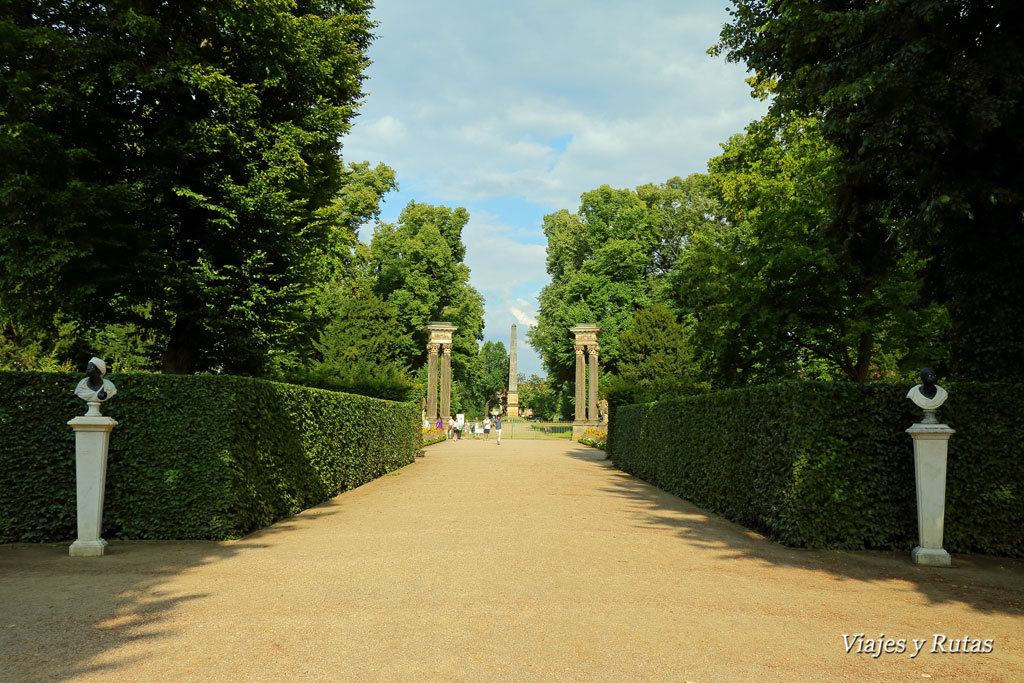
92 438
931 442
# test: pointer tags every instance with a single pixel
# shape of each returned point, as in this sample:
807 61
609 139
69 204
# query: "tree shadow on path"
65 618
986 584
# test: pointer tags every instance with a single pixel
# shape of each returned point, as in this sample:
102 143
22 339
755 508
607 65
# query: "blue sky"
514 109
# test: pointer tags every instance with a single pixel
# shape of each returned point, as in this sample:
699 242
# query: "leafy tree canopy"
608 260
538 394
924 102
655 357
177 167
769 289
417 267
491 372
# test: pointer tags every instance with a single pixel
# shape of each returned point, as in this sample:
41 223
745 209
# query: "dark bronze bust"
928 382
928 395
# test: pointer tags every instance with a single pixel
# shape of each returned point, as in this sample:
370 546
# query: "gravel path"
532 560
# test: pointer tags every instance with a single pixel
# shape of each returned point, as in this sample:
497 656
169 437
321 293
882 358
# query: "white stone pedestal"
930 447
92 437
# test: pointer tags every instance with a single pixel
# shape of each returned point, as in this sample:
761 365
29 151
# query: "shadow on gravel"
64 618
581 452
987 584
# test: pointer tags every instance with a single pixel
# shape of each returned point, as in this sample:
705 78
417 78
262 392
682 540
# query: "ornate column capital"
580 348
433 347
593 348
447 349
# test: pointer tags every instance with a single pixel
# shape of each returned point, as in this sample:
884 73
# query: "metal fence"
525 429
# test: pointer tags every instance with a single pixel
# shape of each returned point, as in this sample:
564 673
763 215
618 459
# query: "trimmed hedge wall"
192 457
828 465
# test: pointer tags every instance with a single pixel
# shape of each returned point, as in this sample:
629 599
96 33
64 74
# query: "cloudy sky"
515 109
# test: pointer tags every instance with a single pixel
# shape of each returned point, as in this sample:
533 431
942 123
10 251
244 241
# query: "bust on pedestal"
931 441
92 439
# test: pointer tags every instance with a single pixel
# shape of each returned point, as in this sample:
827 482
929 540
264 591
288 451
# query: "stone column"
581 381
586 335
513 380
439 338
930 448
446 382
592 386
432 350
92 438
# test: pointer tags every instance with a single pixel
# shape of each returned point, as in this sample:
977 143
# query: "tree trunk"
863 366
181 352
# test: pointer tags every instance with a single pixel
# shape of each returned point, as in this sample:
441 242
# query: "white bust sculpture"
94 389
928 395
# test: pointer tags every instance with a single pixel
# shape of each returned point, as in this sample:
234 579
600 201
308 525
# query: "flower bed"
432 435
594 437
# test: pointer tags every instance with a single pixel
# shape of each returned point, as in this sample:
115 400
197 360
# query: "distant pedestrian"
497 426
438 423
451 427
477 429
487 428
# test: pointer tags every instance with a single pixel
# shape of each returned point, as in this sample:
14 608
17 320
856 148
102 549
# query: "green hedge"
828 465
192 457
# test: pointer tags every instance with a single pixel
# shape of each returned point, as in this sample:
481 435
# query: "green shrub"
828 465
192 457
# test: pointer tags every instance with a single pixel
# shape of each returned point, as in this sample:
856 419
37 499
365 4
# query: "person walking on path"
476 427
487 428
497 427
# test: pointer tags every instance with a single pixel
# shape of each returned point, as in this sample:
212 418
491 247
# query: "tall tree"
537 395
770 293
924 100
655 357
491 372
417 266
177 159
608 260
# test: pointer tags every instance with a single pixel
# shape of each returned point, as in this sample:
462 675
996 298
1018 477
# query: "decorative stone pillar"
92 439
581 382
931 441
439 340
512 409
586 340
432 349
446 381
592 384
930 452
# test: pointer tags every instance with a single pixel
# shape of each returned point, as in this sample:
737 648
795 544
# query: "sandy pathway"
528 561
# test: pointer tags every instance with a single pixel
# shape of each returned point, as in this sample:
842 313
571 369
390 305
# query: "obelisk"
513 379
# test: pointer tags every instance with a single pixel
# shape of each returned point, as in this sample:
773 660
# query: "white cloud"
541 101
385 131
522 316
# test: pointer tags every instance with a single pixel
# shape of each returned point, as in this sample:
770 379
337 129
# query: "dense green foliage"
203 457
608 260
360 348
417 269
734 278
924 102
655 358
539 396
174 169
828 465
769 291
491 375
